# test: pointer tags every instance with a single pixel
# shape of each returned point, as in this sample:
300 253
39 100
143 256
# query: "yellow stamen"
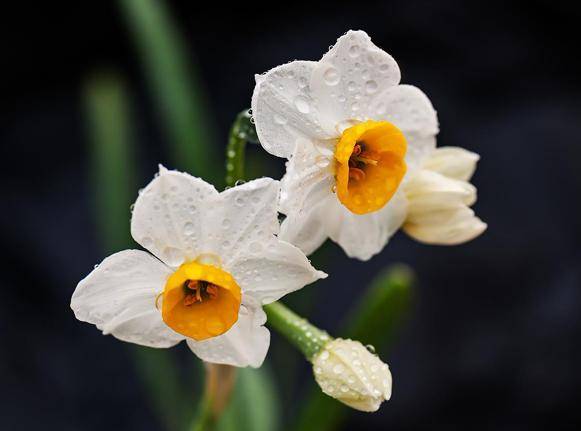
369 165
200 301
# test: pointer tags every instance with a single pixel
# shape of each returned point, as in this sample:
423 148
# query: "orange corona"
200 301
369 165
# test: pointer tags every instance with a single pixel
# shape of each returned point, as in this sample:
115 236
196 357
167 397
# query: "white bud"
439 198
453 162
348 372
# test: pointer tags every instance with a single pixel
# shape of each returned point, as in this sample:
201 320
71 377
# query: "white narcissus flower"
353 135
215 260
348 372
439 197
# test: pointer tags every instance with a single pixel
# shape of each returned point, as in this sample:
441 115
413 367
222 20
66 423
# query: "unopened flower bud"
452 162
439 197
347 371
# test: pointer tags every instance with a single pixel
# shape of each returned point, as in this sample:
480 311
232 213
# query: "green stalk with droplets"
303 335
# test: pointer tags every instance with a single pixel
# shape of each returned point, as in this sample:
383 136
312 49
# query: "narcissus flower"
352 135
439 197
348 372
215 260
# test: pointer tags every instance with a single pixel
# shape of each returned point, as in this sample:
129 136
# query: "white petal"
119 297
168 216
447 228
245 344
244 219
283 108
430 191
309 177
350 76
273 270
409 109
363 236
306 229
452 162
438 210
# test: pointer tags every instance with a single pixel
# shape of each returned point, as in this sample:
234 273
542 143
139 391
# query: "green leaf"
374 321
174 82
111 158
110 132
255 405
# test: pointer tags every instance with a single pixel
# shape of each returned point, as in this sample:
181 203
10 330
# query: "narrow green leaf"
255 405
111 136
374 321
112 172
176 87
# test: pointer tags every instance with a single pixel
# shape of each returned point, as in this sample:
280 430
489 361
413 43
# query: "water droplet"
338 369
302 104
322 161
381 108
355 106
331 76
189 228
255 247
371 87
384 68
351 86
324 355
226 223
370 348
354 51
302 82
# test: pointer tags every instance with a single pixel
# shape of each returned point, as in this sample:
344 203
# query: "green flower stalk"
344 369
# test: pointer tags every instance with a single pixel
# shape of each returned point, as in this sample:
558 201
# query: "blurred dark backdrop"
494 340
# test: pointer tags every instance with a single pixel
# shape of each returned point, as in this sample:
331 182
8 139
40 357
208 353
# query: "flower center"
200 301
369 165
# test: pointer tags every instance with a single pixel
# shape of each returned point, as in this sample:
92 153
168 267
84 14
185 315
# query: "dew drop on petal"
189 228
322 161
381 108
302 104
354 51
331 76
371 87
255 247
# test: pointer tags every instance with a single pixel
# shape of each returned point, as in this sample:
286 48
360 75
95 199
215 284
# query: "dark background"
494 341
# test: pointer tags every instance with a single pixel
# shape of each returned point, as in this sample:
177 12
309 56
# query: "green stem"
303 335
242 132
298 331
235 151
375 320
